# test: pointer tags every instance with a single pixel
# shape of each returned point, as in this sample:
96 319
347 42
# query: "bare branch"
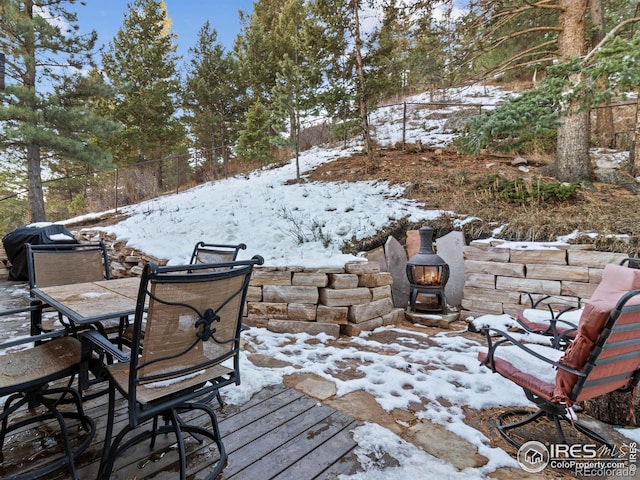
610 34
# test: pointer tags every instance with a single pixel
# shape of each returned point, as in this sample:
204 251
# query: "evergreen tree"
298 77
44 105
339 97
561 39
257 50
141 64
212 97
388 49
253 142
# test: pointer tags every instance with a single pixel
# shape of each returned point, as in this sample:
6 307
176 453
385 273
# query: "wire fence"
124 185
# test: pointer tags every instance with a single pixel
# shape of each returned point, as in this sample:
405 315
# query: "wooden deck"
279 434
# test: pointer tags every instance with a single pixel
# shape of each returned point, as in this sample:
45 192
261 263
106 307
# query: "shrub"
520 192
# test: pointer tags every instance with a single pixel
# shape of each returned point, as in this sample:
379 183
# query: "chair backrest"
615 360
215 252
607 346
51 265
191 325
631 262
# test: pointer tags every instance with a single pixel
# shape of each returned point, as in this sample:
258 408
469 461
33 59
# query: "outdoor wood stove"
428 274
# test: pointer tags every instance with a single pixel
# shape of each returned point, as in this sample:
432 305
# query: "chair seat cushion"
538 321
526 370
40 364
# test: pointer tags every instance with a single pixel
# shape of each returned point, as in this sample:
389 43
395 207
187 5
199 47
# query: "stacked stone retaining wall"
334 301
499 276
337 301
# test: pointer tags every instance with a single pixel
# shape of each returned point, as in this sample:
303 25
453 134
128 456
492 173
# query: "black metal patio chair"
215 252
64 264
36 377
191 335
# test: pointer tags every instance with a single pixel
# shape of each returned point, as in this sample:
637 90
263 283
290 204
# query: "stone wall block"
486 253
480 280
394 317
495 268
302 311
502 296
311 279
254 294
343 280
485 306
359 268
569 301
374 279
548 287
543 257
558 272
595 275
311 328
378 293
367 311
327 314
270 277
344 298
355 329
267 310
578 289
592 258
289 294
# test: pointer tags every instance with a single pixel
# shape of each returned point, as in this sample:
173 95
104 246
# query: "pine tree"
341 97
211 97
253 142
45 104
141 64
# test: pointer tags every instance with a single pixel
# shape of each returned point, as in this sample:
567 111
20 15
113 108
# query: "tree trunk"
36 197
604 130
34 169
572 153
364 114
634 155
613 407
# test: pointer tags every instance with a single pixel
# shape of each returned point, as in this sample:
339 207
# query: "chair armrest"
549 301
93 340
34 338
506 338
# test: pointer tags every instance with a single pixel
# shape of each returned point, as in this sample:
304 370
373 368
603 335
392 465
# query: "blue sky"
188 16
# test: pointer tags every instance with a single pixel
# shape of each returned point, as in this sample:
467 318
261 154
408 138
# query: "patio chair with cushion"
36 384
558 317
552 317
191 327
604 357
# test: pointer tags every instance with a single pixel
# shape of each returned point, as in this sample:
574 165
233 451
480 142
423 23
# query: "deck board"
279 433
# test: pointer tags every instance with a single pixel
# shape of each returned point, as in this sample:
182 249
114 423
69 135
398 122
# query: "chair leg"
503 427
42 397
106 449
176 422
557 419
